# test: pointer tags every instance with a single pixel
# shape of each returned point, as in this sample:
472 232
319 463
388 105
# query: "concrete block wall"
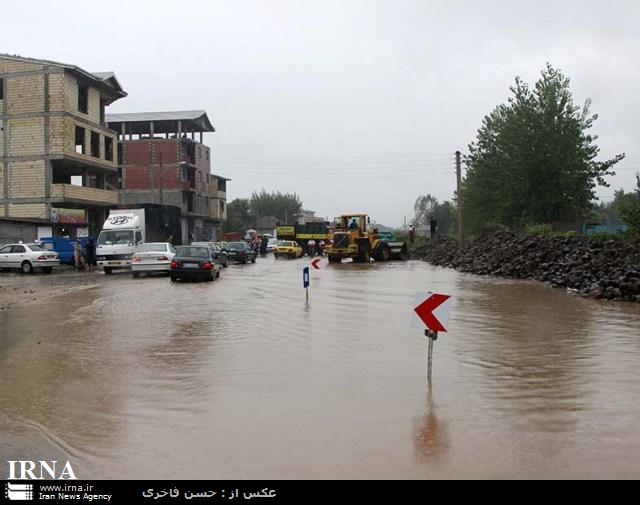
28 135
12 232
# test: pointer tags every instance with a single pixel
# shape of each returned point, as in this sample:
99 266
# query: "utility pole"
460 210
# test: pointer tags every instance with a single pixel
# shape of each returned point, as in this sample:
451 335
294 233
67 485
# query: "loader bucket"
399 251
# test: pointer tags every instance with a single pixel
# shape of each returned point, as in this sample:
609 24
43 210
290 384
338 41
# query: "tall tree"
424 208
239 217
282 206
534 160
427 206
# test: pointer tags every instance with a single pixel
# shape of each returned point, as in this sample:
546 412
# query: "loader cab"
354 222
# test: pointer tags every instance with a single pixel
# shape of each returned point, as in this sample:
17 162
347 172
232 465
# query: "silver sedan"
152 258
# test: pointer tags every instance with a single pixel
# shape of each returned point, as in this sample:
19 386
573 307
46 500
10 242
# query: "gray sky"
354 105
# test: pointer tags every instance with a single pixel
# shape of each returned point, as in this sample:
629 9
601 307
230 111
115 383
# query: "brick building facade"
164 165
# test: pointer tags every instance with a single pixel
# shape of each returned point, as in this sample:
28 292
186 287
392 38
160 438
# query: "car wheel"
26 268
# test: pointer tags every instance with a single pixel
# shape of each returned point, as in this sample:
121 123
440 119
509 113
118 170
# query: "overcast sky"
354 105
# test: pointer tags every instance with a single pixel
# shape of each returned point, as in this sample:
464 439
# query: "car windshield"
116 237
152 248
285 244
37 248
237 246
193 252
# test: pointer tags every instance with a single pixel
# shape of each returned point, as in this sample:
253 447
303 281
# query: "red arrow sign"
425 312
315 264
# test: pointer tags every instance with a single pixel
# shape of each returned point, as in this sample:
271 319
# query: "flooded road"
240 379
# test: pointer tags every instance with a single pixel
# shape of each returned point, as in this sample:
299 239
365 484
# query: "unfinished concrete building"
166 169
58 159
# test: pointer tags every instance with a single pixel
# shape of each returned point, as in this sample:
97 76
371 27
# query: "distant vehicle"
219 255
240 252
28 257
233 236
271 244
194 263
152 258
288 249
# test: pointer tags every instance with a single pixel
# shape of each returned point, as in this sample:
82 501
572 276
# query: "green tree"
239 217
534 160
629 207
424 208
282 206
427 206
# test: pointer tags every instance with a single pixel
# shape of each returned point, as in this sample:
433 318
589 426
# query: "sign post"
432 311
306 281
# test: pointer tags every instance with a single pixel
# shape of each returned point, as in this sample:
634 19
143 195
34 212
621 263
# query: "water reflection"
430 433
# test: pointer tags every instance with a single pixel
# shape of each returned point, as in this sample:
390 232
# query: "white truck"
122 233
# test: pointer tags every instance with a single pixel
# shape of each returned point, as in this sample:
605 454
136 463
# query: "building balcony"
82 196
220 195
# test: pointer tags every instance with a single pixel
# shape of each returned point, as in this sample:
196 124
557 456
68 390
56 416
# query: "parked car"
219 255
194 263
152 258
240 252
288 249
271 244
28 257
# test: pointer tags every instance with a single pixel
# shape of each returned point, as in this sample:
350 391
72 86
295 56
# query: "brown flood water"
240 379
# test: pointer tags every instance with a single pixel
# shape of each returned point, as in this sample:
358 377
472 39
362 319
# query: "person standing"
78 255
412 233
311 248
91 256
433 225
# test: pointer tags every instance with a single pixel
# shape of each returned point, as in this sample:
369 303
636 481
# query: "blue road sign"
305 277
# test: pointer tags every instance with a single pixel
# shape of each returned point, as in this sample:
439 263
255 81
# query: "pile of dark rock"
588 266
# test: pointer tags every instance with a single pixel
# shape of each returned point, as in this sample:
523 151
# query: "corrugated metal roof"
129 117
197 118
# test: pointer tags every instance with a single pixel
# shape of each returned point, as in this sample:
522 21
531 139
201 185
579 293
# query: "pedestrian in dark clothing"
91 256
433 225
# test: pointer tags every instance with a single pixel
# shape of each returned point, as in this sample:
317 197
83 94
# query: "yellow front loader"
355 238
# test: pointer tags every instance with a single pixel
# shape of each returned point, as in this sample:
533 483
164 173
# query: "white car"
271 245
152 258
28 257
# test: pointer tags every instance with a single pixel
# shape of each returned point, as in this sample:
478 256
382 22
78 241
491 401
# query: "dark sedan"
194 263
240 252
